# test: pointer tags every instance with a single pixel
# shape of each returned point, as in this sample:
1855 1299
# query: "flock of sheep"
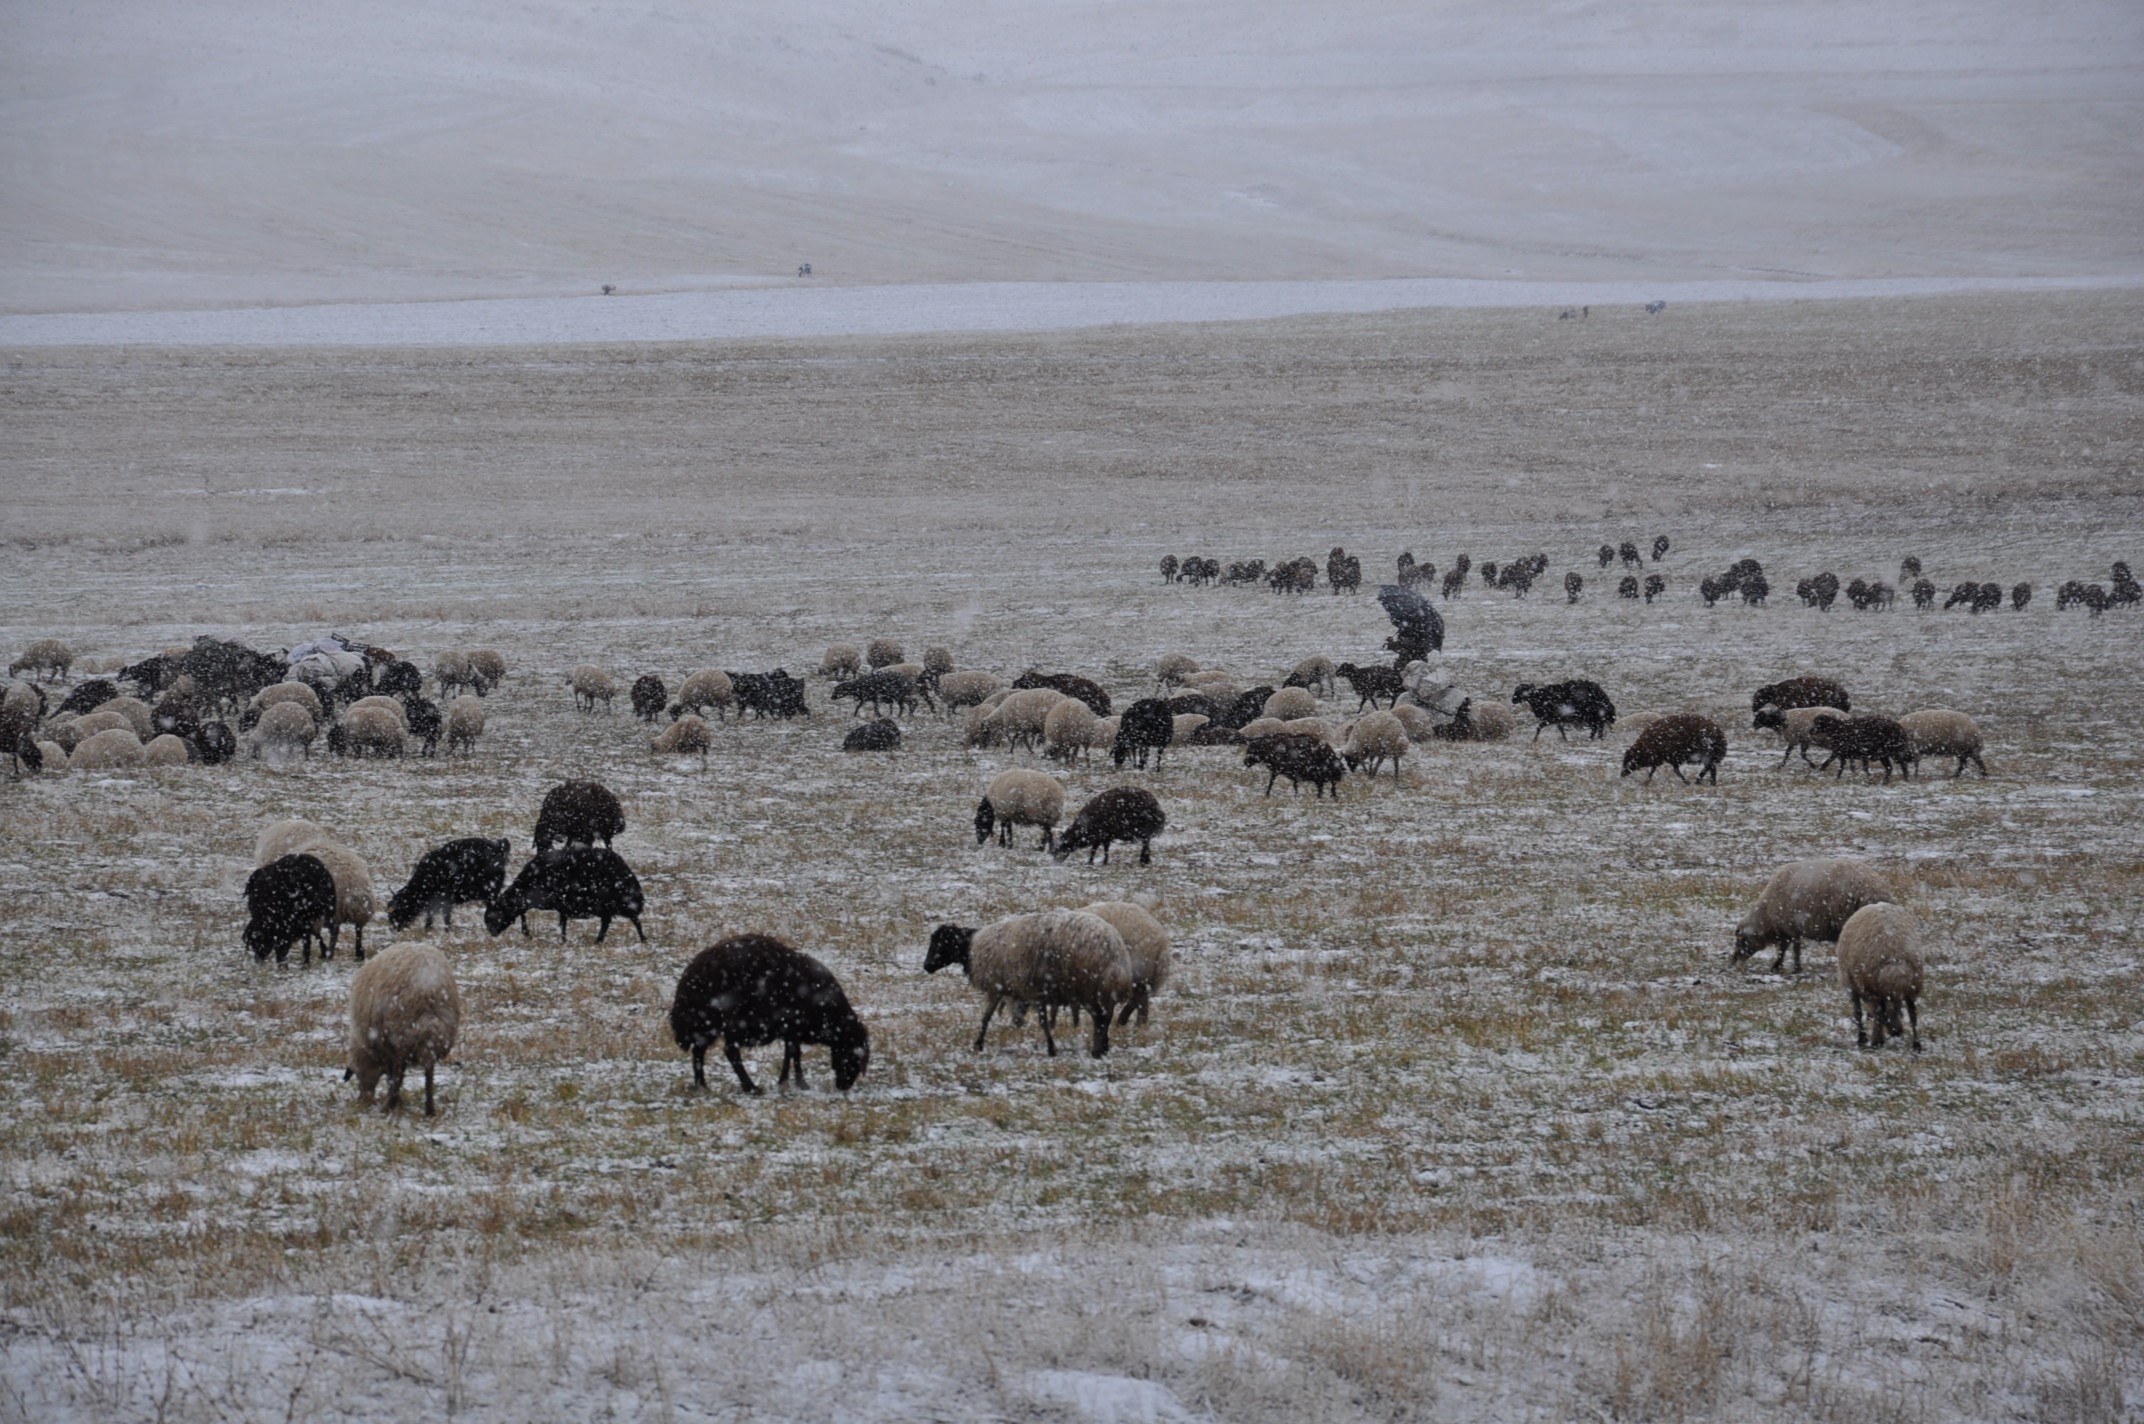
1106 960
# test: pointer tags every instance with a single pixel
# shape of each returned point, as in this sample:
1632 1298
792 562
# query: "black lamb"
445 876
884 735
578 812
751 989
1865 739
399 678
1147 725
1122 813
1300 757
425 722
88 696
288 900
1577 703
1371 683
579 883
882 689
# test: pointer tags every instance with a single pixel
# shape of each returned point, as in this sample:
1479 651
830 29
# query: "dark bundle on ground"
884 735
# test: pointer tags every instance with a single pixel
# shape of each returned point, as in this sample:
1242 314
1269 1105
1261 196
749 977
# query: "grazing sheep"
109 750
70 732
1940 732
1147 943
488 668
1146 726
165 750
1122 813
453 672
1171 669
386 705
212 744
1259 727
1808 899
978 727
372 731
1419 725
1574 584
1673 740
50 756
1085 689
404 1014
937 662
1047 960
591 685
1800 692
884 735
298 692
1020 798
2020 595
769 694
1298 757
842 660
456 873
1580 702
1185 727
18 735
578 812
649 696
1880 964
1655 585
1797 729
883 652
1371 683
90 695
1069 731
425 723
1864 739
1660 548
289 899
882 688
137 714
24 697
354 901
1290 703
1376 738
48 657
709 687
686 735
1315 672
1924 594
966 689
1605 554
464 723
579 882
1627 587
1628 552
1168 568
1020 719
753 989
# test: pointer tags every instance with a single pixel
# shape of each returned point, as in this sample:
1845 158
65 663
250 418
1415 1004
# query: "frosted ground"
1455 1109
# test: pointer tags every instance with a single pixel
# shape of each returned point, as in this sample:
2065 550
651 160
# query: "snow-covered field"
1456 1107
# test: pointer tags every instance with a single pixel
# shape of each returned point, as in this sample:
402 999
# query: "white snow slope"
236 152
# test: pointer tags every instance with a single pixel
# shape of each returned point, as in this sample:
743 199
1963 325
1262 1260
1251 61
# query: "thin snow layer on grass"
1454 1103
919 309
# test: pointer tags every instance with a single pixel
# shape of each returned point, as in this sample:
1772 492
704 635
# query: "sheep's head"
1770 717
1630 760
949 945
497 916
985 820
1746 941
851 1052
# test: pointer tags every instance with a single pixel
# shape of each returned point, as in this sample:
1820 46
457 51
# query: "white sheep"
1808 899
108 750
1290 704
1047 960
285 726
967 689
287 836
388 706
1105 729
976 728
687 734
404 1013
464 723
1147 943
1940 732
1068 730
883 652
24 698
841 660
55 756
1171 669
298 692
1310 727
1315 671
355 903
1183 725
1880 963
1420 725
71 732
166 750
1376 738
709 687
489 667
1261 727
1020 798
1019 719
591 685
373 731
453 671
937 662
47 656
135 711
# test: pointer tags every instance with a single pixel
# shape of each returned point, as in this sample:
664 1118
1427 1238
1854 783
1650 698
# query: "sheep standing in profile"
1122 813
578 882
404 1013
591 685
1052 959
1171 669
709 687
883 652
967 689
49 658
1808 899
1068 732
1880 964
751 989
453 672
1943 733
456 873
112 749
1020 797
842 660
1376 738
1673 740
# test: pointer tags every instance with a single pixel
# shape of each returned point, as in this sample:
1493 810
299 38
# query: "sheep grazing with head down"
1020 719
371 731
1673 740
1864 739
1797 730
578 883
354 901
18 737
1068 732
1289 703
1147 943
1808 899
1051 959
488 668
464 724
461 871
883 652
1122 813
49 658
1146 726
578 812
1942 733
709 687
1171 669
591 685
1299 757
752 989
1880 965
453 672
686 735
649 696
1580 702
1374 739
1020 797
289 899
842 660
112 749
404 1013
1315 672
166 750
966 689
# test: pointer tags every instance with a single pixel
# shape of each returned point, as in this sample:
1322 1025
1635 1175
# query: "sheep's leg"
1861 1034
1913 1016
1049 1039
637 929
1537 728
1676 767
394 1088
1046 838
358 931
1101 1029
602 928
1879 1019
1146 852
737 1065
796 1056
988 1009
699 1065
1270 780
561 926
1977 762
428 1109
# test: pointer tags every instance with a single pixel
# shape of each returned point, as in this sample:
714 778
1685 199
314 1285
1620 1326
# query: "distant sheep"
112 749
883 689
686 735
1655 585
842 660
1020 797
752 989
453 672
1880 965
937 662
769 694
1800 692
884 735
404 1013
1315 672
649 696
582 812
883 652
1085 689
1172 668
577 882
1673 740
1122 813
1808 900
470 869
709 687
591 685
48 657
1942 733
1375 739
464 724
1574 584
1052 959
1797 729
298 692
288 900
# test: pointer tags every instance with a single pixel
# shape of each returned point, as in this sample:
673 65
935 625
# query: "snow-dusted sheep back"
883 652
1808 899
374 731
388 706
284 727
578 811
1675 739
465 723
354 903
405 1012
1880 965
48 657
489 668
1942 733
1376 738
138 715
453 672
709 687
937 662
71 732
967 689
591 685
1314 672
687 734
1020 797
1068 731
165 750
1186 725
298 692
1019 720
1797 730
1290 704
1147 943
108 750
841 660
1052 959
1170 669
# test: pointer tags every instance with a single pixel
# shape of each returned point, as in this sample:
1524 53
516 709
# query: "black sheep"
1298 756
884 735
1371 683
288 900
1085 689
1122 813
582 812
1673 740
399 678
1247 708
1800 692
1168 568
1660 548
88 696
1627 587
445 876
1574 585
1655 585
2020 595
751 989
1865 739
425 722
1147 725
1924 594
882 689
1579 702
1606 555
1630 556
649 696
212 744
766 694
580 883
